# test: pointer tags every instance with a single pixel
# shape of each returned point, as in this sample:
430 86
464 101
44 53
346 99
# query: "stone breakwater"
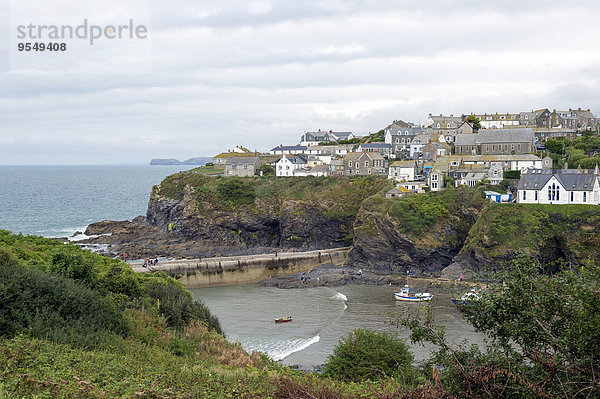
250 269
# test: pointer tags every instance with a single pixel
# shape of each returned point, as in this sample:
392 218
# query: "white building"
288 164
288 149
559 186
403 170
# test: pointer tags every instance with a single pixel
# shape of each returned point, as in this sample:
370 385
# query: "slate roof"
341 135
376 145
401 131
424 138
403 164
570 179
240 160
289 148
356 155
296 159
490 136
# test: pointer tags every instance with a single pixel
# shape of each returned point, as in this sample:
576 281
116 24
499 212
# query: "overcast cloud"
215 74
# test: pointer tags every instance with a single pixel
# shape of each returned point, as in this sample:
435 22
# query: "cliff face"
218 216
544 232
421 233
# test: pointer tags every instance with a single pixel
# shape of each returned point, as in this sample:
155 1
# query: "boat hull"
283 320
412 298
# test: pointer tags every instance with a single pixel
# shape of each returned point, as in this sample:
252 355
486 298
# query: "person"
156 261
460 278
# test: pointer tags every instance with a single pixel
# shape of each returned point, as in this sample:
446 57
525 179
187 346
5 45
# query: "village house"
288 149
242 167
289 163
403 170
559 186
508 162
383 149
315 138
470 176
496 141
397 192
238 152
416 146
414 186
336 167
364 163
433 150
319 170
498 120
446 125
399 135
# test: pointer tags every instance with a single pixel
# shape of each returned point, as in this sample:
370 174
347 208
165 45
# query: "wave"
340 297
290 347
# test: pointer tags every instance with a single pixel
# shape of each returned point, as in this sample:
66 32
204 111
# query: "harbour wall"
233 270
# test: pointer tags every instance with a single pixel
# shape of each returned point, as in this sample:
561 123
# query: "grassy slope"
529 227
339 196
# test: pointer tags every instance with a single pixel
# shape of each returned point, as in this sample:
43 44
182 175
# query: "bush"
512 174
369 355
236 191
36 303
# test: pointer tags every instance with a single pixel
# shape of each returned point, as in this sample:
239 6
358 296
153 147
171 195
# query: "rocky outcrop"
385 244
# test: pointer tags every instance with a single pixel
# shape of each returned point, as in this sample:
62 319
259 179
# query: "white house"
403 170
413 186
288 164
559 186
288 149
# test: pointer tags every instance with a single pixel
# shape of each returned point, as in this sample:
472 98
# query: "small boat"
283 320
406 296
467 299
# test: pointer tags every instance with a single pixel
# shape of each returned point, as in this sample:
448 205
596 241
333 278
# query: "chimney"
579 169
596 171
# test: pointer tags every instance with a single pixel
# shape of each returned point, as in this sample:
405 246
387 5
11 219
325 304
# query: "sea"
58 201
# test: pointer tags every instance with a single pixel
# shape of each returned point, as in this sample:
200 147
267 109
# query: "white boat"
407 296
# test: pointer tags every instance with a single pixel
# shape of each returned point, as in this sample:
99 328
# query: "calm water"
55 201
321 316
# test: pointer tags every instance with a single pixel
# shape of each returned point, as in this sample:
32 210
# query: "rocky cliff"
421 233
191 215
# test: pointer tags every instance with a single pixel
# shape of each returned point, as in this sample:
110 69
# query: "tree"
473 120
545 332
369 355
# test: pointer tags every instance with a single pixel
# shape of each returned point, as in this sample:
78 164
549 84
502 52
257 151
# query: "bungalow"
413 186
559 186
397 192
237 152
471 176
288 164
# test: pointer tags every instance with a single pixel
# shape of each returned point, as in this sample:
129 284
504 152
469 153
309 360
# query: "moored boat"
467 299
407 296
283 320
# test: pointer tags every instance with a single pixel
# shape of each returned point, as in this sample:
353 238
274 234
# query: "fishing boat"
467 299
283 320
407 296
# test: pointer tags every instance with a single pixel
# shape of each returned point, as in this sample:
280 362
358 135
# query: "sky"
210 75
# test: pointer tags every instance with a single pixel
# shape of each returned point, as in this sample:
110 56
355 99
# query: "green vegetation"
583 151
417 214
544 331
548 232
512 174
369 355
475 121
339 196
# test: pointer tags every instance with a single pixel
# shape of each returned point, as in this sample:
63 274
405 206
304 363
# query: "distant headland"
173 161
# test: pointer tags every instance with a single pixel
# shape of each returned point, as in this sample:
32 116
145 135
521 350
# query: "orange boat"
283 320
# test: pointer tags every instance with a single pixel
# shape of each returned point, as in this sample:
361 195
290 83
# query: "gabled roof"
357 155
342 135
289 148
242 160
402 131
570 179
403 164
295 159
491 136
376 145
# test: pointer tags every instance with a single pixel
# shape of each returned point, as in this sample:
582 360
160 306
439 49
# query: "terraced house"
496 141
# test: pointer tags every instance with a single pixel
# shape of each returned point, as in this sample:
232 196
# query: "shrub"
369 355
512 174
236 191
36 303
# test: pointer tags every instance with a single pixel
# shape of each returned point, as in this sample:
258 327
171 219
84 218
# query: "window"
518 147
366 164
488 118
349 164
434 185
526 116
438 126
571 196
584 196
535 195
524 195
553 192
434 177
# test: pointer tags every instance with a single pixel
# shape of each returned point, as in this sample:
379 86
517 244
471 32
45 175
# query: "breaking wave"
340 297
283 350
